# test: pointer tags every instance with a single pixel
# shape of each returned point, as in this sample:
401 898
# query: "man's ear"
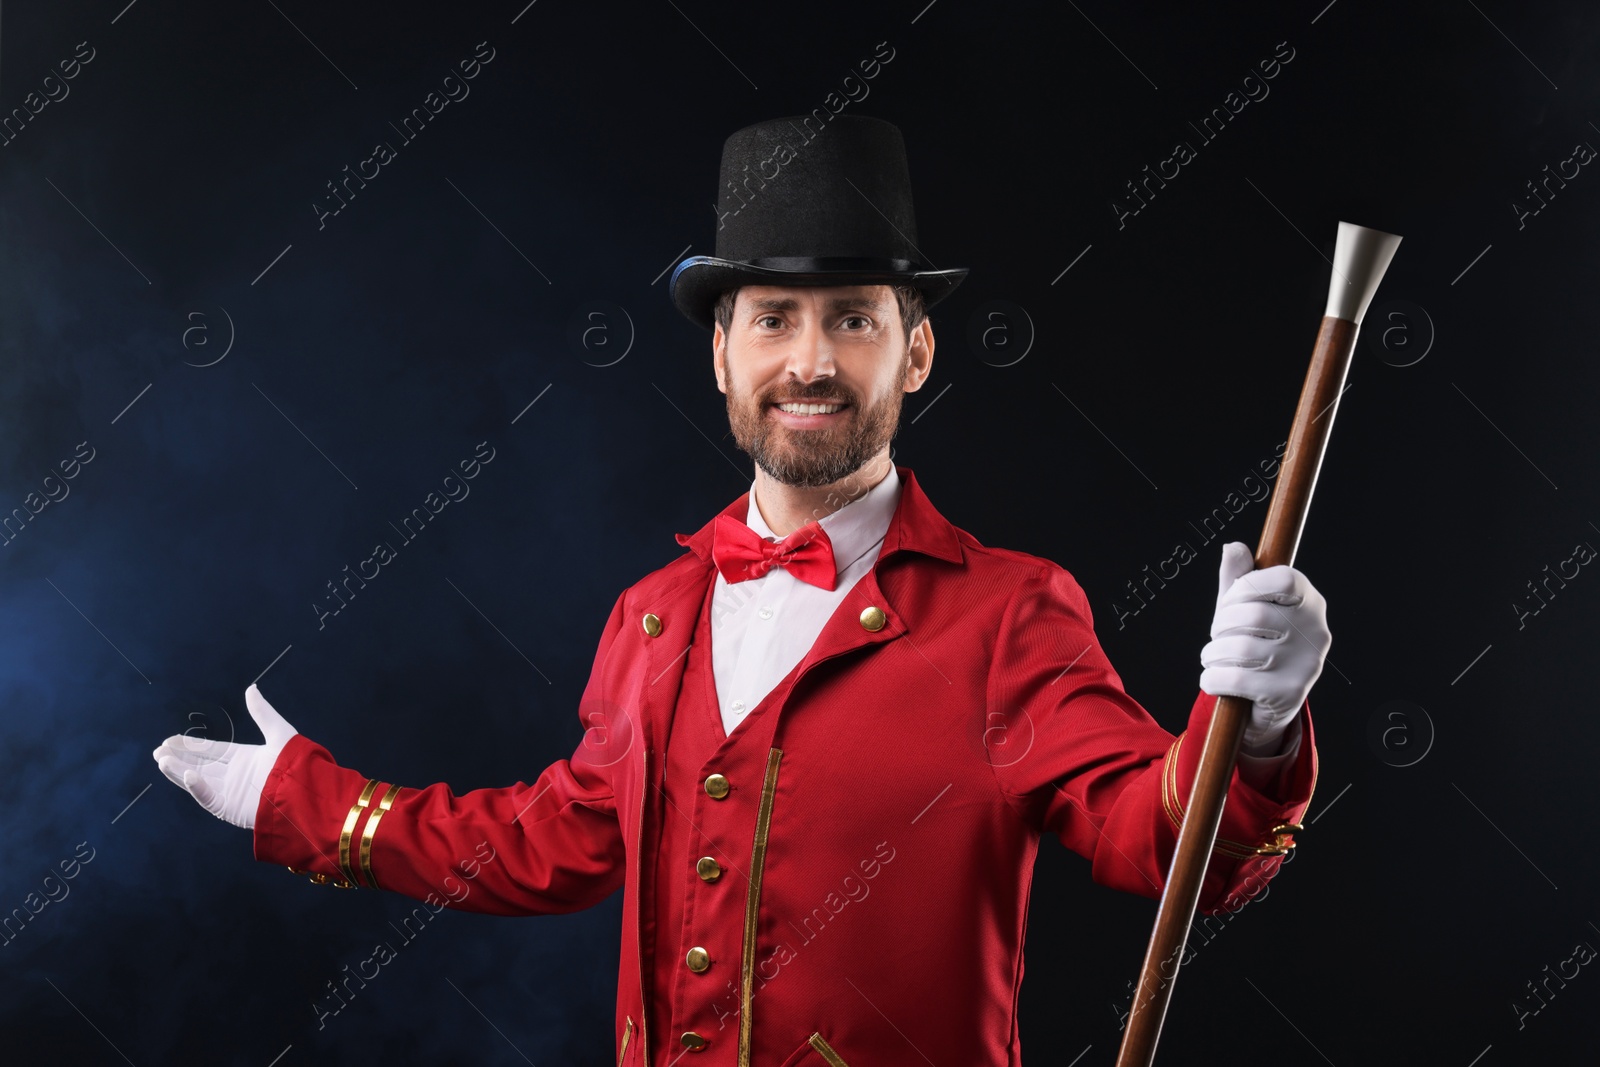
921 355
719 341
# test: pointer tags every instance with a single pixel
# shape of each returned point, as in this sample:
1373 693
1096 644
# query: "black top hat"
805 202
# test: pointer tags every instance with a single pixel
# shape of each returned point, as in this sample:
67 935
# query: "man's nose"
810 354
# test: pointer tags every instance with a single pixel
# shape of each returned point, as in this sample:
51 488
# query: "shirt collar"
916 526
854 529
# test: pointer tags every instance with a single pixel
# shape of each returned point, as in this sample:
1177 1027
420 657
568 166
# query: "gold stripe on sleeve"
350 828
1169 784
372 828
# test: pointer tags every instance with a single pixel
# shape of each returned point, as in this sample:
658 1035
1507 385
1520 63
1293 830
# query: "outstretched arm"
1108 779
548 847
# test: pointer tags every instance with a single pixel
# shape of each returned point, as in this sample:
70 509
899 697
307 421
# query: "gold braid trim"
350 828
1169 785
758 855
825 1050
372 828
1171 802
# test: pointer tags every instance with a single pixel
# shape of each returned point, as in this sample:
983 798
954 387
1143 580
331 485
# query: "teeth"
810 409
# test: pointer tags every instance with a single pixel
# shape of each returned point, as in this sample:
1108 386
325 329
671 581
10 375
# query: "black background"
165 205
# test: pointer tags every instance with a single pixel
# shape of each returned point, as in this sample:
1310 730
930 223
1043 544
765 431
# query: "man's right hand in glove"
225 777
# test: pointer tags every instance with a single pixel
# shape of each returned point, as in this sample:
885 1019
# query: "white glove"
224 777
1269 637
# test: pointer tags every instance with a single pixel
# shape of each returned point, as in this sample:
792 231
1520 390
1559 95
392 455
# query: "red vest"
700 886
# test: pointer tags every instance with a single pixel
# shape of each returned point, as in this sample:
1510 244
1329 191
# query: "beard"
811 459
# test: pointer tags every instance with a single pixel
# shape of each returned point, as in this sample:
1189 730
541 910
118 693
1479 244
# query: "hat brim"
699 280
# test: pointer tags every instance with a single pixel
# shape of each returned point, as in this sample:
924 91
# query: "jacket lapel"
915 527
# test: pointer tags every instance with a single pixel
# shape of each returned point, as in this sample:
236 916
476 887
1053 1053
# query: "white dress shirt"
762 627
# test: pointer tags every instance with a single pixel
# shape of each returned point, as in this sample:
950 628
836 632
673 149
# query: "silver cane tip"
1360 256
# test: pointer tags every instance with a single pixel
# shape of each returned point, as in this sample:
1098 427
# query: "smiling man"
822 746
822 373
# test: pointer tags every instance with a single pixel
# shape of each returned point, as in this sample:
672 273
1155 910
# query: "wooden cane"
1360 257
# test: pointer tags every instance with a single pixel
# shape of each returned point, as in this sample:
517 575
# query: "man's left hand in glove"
1269 638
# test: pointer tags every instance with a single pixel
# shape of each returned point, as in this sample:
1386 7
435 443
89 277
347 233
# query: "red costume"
845 879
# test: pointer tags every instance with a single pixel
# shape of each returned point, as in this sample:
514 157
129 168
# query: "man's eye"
763 320
862 319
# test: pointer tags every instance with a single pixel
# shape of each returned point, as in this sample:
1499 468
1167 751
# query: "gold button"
717 786
708 869
873 618
652 624
698 959
693 1041
1281 841
340 883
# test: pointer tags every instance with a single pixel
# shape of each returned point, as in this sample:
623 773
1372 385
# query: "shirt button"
737 705
765 613
708 869
694 1042
717 786
698 959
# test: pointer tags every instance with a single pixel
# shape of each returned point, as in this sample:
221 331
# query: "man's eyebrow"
838 303
856 303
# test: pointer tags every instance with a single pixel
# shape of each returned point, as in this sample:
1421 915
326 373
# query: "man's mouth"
810 408
807 413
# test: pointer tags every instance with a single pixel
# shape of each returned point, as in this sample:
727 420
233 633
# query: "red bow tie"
740 553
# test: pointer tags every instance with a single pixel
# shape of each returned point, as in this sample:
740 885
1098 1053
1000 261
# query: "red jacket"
955 707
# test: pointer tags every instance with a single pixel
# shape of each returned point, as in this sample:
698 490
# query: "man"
822 745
